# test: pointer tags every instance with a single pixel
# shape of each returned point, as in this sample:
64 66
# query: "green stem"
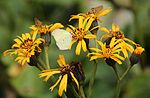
92 79
39 67
41 61
126 72
40 64
119 79
116 72
81 92
75 92
117 92
46 56
91 83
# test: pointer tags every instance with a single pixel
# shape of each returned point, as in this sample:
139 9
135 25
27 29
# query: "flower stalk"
91 83
81 91
46 57
119 79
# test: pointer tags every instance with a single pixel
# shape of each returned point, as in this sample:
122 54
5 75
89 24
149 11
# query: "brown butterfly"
38 23
95 10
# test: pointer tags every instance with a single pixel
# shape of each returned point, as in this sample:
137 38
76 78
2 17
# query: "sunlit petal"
63 85
78 48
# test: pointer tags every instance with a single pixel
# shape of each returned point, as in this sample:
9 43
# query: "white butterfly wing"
57 34
63 38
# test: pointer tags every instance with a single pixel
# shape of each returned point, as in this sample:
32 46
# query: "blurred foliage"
16 16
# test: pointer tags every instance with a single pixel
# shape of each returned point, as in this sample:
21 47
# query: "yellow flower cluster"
25 47
112 46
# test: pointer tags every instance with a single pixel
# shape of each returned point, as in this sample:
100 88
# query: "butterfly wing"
57 34
63 38
38 23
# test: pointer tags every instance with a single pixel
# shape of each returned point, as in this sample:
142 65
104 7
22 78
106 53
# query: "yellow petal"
84 46
34 35
69 30
104 12
85 21
88 25
119 57
95 57
61 60
113 27
81 22
130 41
97 27
16 45
73 41
90 36
112 42
125 53
95 49
129 48
106 36
18 41
63 85
115 59
78 48
56 26
52 87
72 27
104 29
33 27
117 28
101 44
75 80
47 74
74 17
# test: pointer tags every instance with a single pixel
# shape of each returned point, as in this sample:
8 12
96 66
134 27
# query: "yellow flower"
94 13
111 51
80 33
65 71
24 47
138 50
115 32
43 29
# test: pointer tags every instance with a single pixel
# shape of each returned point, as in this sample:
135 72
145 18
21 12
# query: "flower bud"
135 57
34 59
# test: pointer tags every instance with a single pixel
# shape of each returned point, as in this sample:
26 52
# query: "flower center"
117 35
107 53
27 44
79 33
67 69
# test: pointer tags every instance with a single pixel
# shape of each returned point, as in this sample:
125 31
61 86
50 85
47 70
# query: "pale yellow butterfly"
63 38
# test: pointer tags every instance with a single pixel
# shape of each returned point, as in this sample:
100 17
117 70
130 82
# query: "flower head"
24 47
65 71
138 50
115 32
135 56
43 29
80 33
94 13
111 51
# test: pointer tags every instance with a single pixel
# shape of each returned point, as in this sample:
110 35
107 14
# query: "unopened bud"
135 57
